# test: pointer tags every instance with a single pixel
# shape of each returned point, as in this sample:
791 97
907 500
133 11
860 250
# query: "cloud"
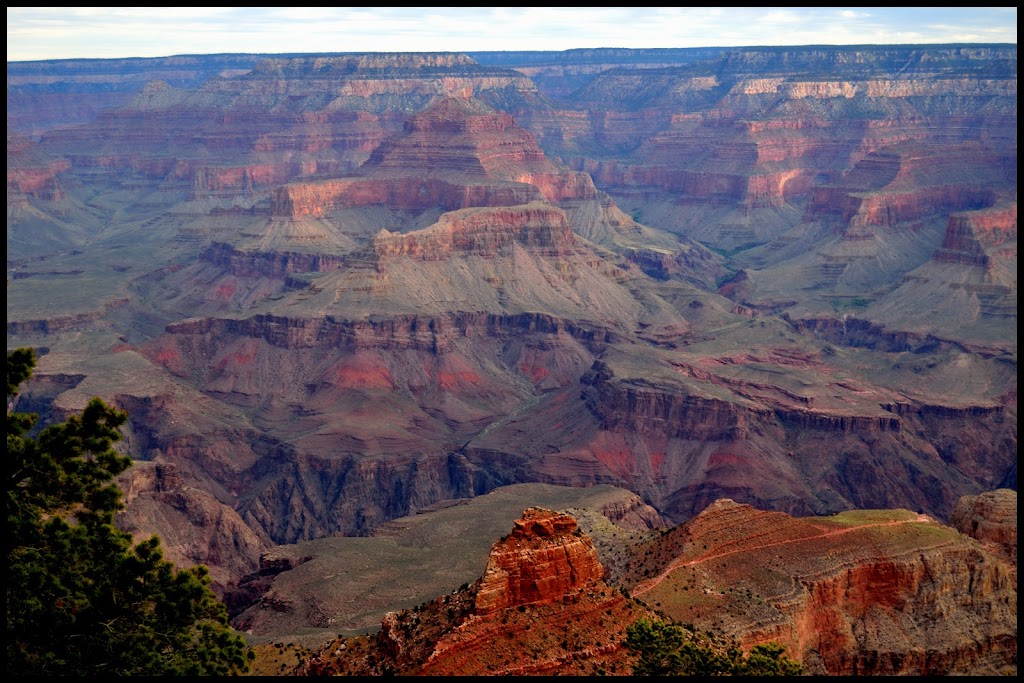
57 32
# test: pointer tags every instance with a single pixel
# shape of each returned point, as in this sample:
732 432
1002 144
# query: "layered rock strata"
254 130
541 228
974 238
991 518
464 153
541 608
215 258
863 593
543 559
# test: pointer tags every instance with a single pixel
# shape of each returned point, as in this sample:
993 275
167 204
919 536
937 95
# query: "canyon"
866 592
334 291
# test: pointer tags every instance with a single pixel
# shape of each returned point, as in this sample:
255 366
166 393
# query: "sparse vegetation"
670 650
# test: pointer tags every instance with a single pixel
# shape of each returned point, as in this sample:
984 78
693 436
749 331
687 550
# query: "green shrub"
669 650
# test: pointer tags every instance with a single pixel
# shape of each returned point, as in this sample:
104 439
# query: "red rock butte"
545 558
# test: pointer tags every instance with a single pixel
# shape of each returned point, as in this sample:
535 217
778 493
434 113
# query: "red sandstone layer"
543 559
865 592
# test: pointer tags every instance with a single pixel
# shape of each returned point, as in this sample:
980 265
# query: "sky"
91 32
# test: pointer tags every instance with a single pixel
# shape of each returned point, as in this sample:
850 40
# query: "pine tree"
668 650
82 597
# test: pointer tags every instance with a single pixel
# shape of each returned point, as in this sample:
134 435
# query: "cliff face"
318 199
709 423
869 643
483 233
195 527
991 518
338 468
863 593
971 237
541 561
30 174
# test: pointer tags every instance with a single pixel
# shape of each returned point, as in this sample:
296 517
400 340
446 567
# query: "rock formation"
456 153
195 527
541 561
861 593
235 136
541 608
343 584
865 592
766 152
991 518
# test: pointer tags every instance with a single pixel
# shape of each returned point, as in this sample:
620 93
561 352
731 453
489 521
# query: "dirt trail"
650 584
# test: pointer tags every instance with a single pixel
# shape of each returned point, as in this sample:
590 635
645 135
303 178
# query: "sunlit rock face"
884 592
541 561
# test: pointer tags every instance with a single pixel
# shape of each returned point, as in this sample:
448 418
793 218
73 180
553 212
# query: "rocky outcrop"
633 514
541 561
194 527
61 323
555 615
32 174
480 142
890 209
410 193
972 238
915 592
650 409
991 518
868 592
646 407
483 232
39 182
274 264
852 331
863 593
253 587
696 266
455 154
465 138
